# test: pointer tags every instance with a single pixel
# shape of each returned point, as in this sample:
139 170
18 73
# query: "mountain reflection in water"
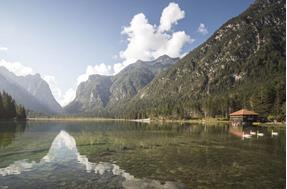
63 165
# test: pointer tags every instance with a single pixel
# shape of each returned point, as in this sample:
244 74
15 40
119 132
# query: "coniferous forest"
9 109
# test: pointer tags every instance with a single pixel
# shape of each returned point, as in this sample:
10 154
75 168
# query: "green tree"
20 113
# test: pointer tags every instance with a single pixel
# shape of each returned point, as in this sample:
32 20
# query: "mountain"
103 95
241 65
31 91
91 96
40 89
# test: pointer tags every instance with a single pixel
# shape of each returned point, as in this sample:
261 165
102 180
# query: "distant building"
243 117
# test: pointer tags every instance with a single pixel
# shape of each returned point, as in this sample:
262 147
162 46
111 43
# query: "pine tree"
20 113
9 109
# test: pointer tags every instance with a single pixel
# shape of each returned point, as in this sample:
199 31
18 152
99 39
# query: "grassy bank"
270 124
217 121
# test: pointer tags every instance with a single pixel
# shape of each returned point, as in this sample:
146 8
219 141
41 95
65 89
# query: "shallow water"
139 155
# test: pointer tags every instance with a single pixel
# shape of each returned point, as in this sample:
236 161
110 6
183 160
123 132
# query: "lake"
118 154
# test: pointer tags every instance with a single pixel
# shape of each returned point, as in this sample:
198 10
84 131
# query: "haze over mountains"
31 91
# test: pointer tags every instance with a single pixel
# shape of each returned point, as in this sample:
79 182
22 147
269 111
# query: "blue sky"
60 39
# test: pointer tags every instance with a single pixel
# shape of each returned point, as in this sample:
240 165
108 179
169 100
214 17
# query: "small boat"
252 132
274 133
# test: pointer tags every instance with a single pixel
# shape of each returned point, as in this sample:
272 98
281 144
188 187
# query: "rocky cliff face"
31 91
243 58
101 95
129 81
40 89
92 95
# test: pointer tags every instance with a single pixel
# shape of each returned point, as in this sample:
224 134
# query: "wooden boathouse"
243 117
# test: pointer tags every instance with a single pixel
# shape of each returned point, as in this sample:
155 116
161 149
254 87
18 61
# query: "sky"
68 40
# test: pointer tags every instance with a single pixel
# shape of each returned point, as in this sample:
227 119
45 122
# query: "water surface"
139 155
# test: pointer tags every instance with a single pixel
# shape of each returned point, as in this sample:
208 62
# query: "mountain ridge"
216 77
31 91
99 95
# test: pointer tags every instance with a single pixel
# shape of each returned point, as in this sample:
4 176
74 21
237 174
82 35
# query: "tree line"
9 109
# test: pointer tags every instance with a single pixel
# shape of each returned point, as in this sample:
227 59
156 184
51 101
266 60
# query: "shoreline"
73 119
148 121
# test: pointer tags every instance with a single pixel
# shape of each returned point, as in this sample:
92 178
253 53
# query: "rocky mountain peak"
100 93
31 91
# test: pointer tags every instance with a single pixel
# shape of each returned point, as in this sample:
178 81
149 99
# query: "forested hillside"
241 65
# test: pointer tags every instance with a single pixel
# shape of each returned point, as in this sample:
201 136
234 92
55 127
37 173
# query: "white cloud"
170 15
119 66
56 91
20 70
144 42
62 98
174 45
16 67
68 96
101 69
3 48
202 29
147 41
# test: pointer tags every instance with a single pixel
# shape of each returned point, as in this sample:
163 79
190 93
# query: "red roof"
243 112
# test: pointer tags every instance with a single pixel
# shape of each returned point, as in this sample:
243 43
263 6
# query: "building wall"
247 118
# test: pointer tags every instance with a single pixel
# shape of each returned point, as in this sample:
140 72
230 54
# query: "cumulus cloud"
144 42
119 66
202 29
170 15
147 41
68 97
56 91
63 98
101 69
16 67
